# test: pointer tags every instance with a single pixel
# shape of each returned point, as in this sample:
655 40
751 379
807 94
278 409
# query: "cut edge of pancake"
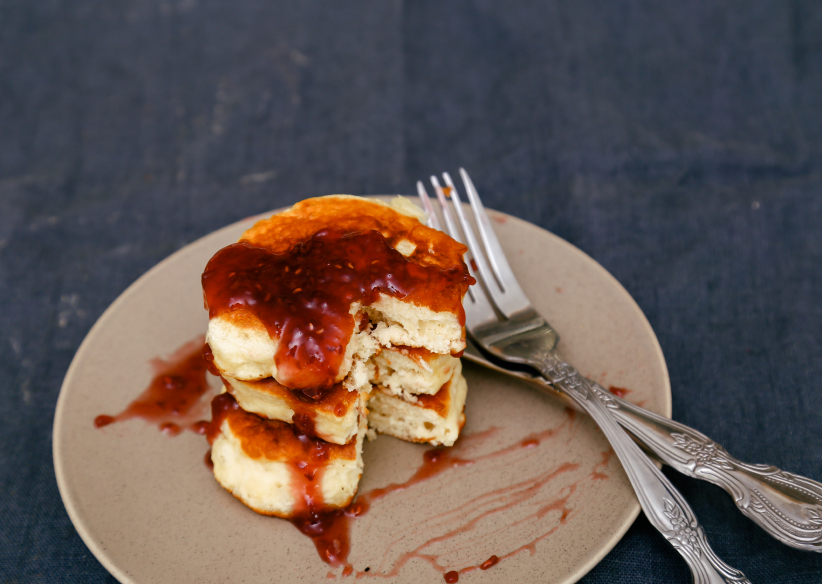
435 419
409 371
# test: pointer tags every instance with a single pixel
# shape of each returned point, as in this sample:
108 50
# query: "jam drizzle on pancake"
307 458
336 401
303 296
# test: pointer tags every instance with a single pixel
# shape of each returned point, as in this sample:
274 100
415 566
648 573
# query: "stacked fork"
502 321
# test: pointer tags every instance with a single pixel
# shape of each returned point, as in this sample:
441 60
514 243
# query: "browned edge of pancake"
278 441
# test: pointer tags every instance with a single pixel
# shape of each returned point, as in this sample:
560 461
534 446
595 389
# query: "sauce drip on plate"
174 398
181 395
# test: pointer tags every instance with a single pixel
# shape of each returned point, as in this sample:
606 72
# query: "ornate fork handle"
661 502
787 506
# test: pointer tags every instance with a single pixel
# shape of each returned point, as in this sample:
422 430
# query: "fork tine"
513 299
450 226
479 308
489 238
432 222
481 266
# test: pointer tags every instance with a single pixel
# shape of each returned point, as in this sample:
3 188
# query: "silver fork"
500 318
787 506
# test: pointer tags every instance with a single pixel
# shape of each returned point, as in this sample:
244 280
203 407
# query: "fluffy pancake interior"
408 371
436 419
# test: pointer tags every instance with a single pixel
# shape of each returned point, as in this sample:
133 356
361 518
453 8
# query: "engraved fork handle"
665 508
787 506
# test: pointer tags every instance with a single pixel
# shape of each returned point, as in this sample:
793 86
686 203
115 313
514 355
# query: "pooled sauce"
173 399
303 296
330 530
430 537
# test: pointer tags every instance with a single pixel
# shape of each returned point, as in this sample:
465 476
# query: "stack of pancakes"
334 315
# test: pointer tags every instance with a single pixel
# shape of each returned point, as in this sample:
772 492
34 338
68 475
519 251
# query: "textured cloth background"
677 143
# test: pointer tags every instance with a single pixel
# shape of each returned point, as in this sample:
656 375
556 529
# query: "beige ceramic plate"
543 492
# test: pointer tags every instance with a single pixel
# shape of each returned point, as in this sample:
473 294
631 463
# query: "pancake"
309 309
311 291
274 469
333 417
436 419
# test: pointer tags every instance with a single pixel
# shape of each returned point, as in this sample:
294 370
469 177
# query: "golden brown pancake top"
281 231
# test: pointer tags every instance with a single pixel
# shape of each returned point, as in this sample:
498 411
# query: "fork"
501 320
787 506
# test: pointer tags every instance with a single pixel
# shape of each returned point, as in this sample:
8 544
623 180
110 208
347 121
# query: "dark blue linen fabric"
677 143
